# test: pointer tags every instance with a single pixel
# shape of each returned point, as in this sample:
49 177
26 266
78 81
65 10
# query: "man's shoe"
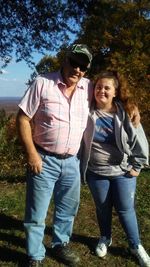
65 254
34 263
101 248
141 255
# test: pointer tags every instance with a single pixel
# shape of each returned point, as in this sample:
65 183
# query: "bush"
11 154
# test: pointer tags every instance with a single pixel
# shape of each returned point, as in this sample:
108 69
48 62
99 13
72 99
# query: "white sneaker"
101 248
142 256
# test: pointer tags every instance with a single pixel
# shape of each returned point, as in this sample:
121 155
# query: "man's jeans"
118 192
61 178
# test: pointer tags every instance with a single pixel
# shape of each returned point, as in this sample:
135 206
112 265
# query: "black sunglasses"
76 64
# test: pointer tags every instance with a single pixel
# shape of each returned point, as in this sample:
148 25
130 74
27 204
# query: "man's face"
74 68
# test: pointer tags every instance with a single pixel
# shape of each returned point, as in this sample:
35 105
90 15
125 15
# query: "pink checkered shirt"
58 123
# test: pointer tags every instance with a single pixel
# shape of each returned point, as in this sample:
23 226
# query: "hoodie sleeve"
139 147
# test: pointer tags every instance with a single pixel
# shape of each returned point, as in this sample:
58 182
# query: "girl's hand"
132 172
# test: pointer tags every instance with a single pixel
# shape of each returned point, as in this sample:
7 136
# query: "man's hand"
35 162
135 116
25 132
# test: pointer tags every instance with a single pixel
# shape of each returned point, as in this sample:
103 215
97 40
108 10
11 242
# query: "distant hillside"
9 104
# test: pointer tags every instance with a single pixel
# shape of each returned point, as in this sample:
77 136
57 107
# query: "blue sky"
14 77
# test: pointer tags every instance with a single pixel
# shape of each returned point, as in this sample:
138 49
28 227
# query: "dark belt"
52 154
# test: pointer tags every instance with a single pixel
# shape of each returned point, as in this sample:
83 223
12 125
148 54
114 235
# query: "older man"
57 104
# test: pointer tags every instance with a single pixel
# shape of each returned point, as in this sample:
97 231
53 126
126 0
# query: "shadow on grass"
12 243
7 222
13 178
12 255
12 248
91 243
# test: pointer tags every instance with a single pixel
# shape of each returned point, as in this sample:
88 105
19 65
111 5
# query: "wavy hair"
123 92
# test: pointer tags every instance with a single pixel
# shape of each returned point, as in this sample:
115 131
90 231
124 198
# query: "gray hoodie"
131 142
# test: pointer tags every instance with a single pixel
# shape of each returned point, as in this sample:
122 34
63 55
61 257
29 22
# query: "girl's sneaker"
101 248
141 255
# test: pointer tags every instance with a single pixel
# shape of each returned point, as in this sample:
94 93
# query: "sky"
15 76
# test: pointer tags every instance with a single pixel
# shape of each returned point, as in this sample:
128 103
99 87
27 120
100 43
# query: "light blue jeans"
61 178
118 192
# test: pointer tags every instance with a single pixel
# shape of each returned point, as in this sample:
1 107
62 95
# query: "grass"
85 233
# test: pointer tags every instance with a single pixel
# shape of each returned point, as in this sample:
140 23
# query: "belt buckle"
64 156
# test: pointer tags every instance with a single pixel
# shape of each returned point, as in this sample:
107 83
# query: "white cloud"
2 71
4 79
10 80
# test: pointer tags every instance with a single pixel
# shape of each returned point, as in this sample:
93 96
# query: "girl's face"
104 92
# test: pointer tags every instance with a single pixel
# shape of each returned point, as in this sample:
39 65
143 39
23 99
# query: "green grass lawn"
85 234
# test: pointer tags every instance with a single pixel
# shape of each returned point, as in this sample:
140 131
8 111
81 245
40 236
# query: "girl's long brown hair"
123 92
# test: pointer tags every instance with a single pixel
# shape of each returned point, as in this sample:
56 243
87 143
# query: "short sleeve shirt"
58 122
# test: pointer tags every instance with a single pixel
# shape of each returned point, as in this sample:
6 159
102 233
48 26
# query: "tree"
118 33
29 25
116 30
46 64
49 63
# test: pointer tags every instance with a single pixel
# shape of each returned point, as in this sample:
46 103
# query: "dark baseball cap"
81 49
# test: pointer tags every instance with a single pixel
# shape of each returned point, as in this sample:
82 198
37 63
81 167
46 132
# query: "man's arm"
25 133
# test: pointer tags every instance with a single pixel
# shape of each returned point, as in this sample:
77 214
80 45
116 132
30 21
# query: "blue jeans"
118 192
61 178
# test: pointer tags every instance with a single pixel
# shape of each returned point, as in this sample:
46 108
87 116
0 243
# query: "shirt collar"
60 82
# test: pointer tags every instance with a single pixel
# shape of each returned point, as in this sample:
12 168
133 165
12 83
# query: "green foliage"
10 150
85 231
4 119
29 26
118 33
49 63
46 64
108 27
